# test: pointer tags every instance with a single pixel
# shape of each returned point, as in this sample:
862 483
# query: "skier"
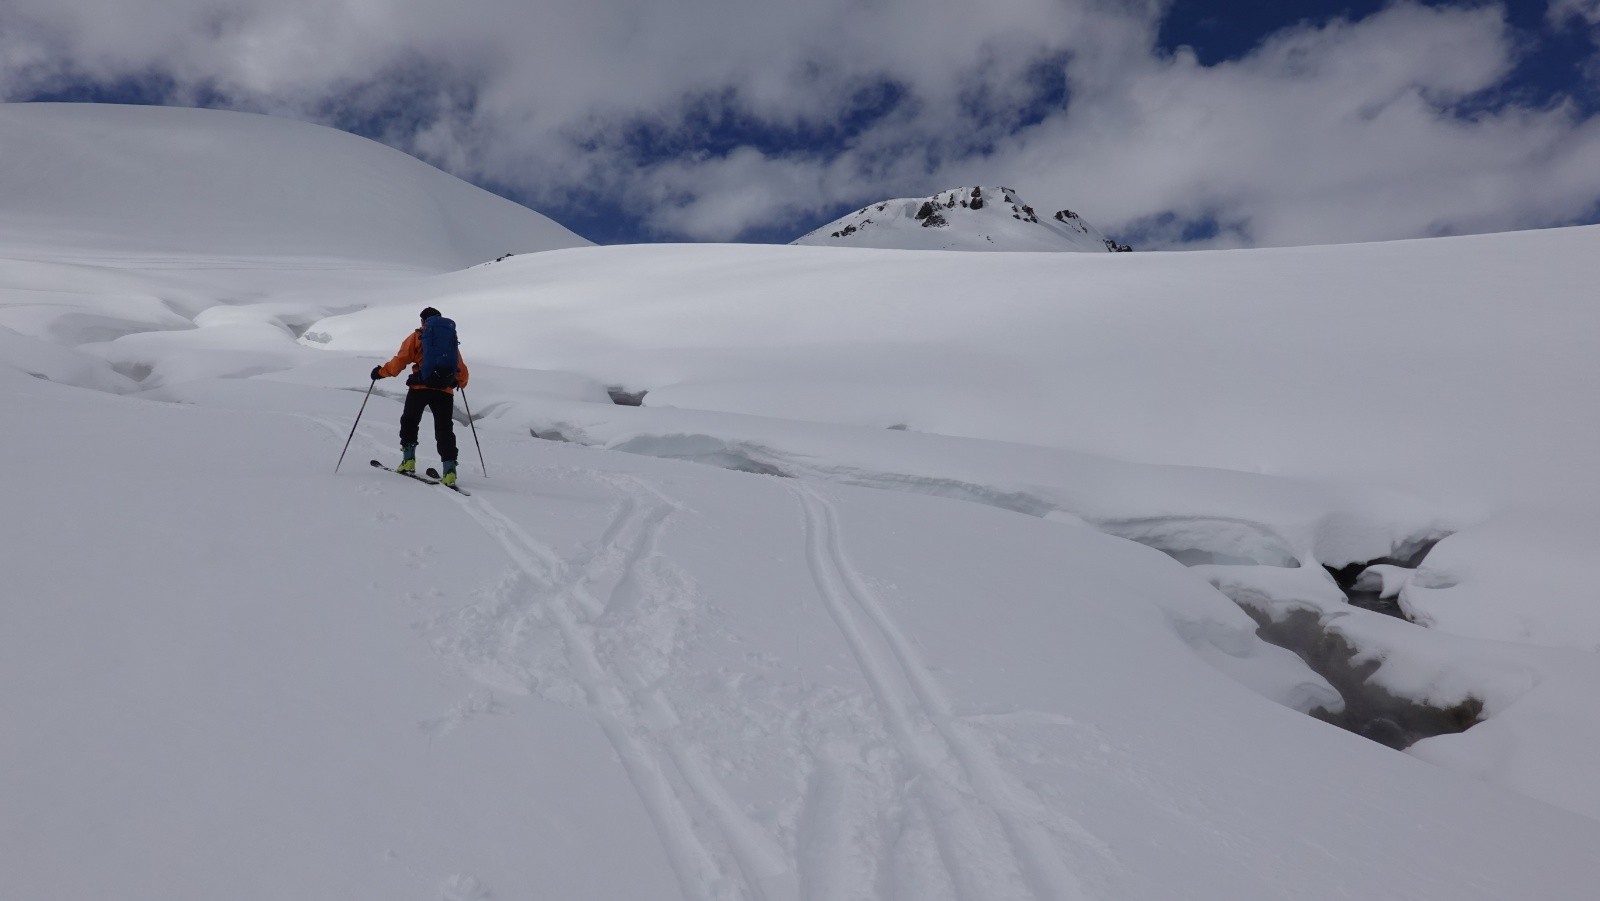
436 371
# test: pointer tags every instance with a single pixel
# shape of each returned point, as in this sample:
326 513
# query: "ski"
434 473
409 475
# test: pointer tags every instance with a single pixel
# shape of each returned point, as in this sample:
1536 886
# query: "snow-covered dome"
197 181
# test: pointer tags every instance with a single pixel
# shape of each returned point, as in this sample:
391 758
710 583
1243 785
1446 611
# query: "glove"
376 374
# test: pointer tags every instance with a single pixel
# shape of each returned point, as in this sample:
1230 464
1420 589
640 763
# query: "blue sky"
1168 123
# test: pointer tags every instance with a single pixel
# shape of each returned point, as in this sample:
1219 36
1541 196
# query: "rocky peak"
975 218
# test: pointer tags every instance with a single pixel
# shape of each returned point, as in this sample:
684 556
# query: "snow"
1329 362
979 218
978 618
1462 585
218 184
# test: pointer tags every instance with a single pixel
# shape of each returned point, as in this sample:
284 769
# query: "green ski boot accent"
449 473
408 459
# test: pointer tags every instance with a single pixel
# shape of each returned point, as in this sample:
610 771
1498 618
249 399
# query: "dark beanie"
429 313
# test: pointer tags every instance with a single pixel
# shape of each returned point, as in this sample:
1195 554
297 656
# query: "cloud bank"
726 119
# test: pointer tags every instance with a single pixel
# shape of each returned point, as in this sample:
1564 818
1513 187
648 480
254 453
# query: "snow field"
1398 374
1324 362
604 671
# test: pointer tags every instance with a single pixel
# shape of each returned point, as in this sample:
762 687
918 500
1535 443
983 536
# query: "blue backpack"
440 358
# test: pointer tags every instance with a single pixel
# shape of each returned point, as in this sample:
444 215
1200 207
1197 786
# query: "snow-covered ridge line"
131 180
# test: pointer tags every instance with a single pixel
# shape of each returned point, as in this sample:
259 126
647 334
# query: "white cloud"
1562 12
1342 132
1345 132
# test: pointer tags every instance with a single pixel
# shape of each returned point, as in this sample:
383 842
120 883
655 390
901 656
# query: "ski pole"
474 433
354 424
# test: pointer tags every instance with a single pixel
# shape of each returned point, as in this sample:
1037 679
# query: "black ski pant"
444 427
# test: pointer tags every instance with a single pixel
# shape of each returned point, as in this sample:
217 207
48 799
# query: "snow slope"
1395 367
1013 660
98 178
606 676
978 218
1442 366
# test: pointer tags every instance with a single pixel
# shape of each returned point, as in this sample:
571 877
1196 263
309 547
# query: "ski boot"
449 478
408 462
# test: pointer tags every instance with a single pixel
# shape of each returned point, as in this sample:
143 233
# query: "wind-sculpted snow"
27 357
1459 587
1196 515
1534 701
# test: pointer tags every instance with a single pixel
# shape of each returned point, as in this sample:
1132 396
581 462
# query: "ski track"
820 849
715 850
986 839
990 837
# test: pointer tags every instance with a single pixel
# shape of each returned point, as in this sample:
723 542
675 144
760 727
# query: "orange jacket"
411 355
